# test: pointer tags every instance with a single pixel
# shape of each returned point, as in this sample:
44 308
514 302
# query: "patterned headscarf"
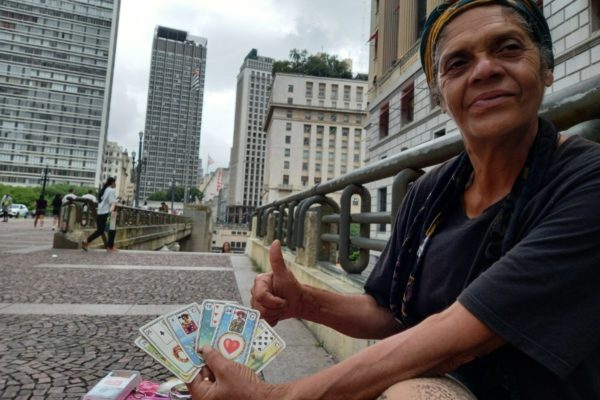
439 18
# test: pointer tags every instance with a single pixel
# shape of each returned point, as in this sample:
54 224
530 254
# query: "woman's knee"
427 389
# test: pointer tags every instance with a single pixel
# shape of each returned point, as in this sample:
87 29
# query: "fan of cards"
237 332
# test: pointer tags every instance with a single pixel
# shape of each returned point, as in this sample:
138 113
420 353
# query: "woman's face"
490 75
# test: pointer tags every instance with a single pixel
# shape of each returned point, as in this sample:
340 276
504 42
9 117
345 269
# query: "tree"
320 64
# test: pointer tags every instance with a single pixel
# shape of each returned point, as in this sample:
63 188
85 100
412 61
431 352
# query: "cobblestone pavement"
61 356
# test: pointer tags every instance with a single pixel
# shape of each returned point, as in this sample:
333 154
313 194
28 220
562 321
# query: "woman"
226 248
56 205
491 273
40 211
108 201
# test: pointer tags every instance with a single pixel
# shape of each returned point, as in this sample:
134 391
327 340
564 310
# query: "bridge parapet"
136 228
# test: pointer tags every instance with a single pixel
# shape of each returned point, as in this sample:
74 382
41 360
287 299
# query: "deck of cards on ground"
237 332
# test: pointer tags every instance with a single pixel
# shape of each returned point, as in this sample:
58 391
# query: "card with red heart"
233 338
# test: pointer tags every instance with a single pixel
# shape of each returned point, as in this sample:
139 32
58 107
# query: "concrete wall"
337 344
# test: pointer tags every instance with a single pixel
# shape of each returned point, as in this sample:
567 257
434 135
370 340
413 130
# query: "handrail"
574 108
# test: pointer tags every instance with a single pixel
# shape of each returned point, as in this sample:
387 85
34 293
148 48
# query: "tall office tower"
174 110
56 69
247 161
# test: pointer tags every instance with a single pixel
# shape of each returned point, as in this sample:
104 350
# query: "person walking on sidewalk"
108 201
40 211
5 203
56 205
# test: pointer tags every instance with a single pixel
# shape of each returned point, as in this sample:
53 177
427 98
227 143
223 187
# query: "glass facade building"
174 110
56 68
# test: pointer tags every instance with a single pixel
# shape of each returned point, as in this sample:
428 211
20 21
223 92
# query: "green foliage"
320 64
354 251
29 194
194 194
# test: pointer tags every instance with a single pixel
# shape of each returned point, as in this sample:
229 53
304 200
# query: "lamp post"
44 180
138 170
173 192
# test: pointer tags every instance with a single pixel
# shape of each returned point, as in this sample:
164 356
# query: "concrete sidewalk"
68 317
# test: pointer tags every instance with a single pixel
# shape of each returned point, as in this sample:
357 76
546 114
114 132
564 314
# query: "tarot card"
233 338
149 349
159 335
184 325
266 345
212 310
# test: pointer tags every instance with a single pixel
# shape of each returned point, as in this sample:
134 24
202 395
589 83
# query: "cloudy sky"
232 27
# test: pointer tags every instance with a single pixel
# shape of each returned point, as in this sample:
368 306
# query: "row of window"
332 91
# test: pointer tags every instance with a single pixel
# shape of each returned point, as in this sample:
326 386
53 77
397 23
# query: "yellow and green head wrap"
444 13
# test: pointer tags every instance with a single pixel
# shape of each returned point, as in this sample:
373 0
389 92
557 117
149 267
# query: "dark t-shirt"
41 204
542 297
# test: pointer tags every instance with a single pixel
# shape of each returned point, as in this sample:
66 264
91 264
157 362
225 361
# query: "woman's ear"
548 77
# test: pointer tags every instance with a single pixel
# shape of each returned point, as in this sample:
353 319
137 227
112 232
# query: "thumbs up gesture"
277 295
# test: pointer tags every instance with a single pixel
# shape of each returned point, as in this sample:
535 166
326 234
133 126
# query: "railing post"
290 226
281 216
400 187
270 228
308 254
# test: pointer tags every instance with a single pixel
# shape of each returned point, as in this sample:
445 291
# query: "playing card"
159 335
266 345
210 318
233 338
149 349
184 325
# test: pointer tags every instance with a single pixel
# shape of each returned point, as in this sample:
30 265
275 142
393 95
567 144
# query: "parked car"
18 210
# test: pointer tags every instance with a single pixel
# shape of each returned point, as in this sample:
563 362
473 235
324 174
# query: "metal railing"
82 213
569 108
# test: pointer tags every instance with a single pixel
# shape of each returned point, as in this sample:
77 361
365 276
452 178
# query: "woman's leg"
427 389
100 227
110 245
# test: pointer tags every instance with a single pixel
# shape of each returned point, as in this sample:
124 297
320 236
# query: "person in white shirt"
90 196
69 196
108 202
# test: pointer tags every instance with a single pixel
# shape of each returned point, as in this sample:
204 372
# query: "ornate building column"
407 34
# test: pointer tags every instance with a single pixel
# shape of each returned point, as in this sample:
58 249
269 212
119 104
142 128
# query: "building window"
439 133
320 116
286 152
307 128
384 119
288 126
290 100
321 90
347 89
382 204
288 139
317 180
290 88
595 9
408 104
307 141
334 117
307 115
304 180
334 92
286 165
289 113
309 89
286 179
305 166
359 93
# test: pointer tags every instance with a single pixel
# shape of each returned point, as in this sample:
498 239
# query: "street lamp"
44 180
138 171
173 191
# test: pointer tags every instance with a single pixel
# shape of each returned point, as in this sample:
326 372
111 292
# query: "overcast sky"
232 27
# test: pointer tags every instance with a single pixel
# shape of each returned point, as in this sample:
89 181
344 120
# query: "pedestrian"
145 206
107 205
40 211
226 248
488 286
90 196
69 196
5 203
56 205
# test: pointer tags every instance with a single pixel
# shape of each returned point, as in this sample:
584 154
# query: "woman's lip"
490 101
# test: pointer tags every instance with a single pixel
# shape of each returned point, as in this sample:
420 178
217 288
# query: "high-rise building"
314 132
174 110
247 161
56 69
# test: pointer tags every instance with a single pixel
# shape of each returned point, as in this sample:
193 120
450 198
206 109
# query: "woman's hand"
222 379
277 295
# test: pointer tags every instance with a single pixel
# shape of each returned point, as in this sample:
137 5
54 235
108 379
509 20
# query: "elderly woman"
488 286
